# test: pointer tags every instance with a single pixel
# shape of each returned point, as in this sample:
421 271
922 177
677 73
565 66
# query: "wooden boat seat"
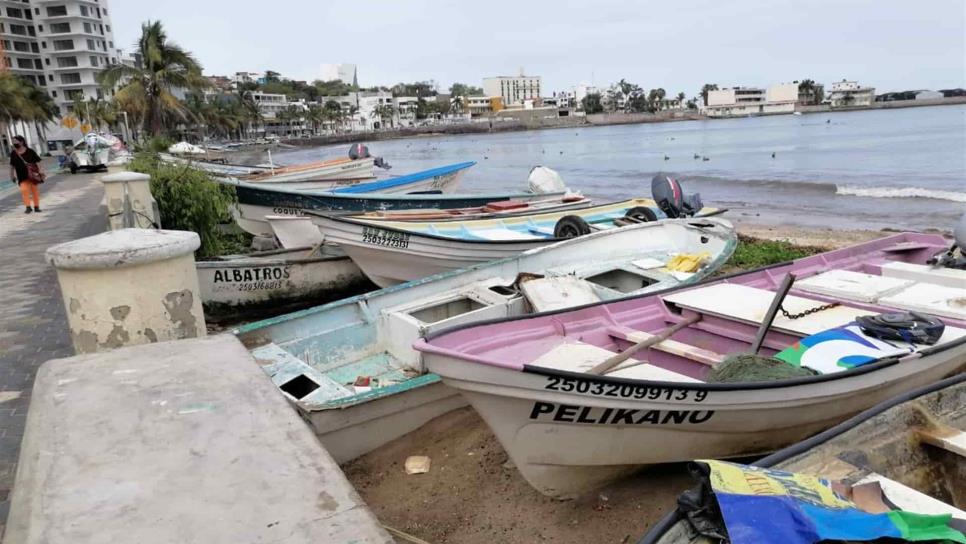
852 285
671 346
555 293
944 437
948 277
910 500
931 299
749 304
581 357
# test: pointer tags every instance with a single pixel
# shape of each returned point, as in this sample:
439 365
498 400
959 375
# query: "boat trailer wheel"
571 226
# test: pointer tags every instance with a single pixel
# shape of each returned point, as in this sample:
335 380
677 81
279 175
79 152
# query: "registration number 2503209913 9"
623 390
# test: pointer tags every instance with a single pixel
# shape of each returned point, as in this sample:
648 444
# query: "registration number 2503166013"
386 238
623 390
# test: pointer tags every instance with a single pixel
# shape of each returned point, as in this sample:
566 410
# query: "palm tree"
148 90
23 102
384 112
705 89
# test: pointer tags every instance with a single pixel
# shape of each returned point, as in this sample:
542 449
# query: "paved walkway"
33 326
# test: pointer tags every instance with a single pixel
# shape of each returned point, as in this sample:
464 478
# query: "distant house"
949 93
849 93
780 98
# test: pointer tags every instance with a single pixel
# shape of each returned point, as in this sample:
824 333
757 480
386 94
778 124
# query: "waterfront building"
739 101
346 73
478 106
849 93
58 46
928 95
513 90
245 77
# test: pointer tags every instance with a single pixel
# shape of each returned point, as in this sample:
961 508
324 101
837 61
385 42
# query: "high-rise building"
59 45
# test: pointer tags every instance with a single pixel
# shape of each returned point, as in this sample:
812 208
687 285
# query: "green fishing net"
746 367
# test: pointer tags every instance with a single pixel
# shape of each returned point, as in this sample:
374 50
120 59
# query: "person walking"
27 172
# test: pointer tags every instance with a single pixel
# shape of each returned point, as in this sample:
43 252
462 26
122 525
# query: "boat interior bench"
183 441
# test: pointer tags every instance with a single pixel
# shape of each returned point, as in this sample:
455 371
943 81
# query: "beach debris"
417 464
705 158
696 156
603 503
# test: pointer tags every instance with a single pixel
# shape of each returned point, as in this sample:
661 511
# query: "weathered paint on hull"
234 289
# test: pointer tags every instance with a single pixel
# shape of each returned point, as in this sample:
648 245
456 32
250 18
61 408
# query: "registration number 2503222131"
623 390
386 238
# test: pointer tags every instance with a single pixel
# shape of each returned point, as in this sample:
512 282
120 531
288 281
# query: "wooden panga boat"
392 252
569 430
239 286
913 446
423 189
349 366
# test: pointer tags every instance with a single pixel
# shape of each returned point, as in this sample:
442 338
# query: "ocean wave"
901 192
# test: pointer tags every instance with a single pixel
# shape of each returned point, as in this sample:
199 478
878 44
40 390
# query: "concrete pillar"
128 201
129 286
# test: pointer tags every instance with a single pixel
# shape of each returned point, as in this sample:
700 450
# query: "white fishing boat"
349 366
581 397
236 286
392 252
906 454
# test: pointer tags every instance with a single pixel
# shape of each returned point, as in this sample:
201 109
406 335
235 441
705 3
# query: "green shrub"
755 252
158 144
189 200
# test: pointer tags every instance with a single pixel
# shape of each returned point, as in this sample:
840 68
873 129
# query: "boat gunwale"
587 202
660 528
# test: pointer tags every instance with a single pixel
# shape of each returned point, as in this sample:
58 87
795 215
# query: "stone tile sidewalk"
33 326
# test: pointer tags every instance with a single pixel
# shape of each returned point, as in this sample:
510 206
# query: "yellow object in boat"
687 262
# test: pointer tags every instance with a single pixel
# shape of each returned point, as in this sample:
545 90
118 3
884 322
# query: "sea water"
901 168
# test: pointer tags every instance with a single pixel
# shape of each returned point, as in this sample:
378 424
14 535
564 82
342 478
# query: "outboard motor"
359 151
670 197
955 256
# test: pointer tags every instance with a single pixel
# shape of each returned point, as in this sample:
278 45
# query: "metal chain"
810 311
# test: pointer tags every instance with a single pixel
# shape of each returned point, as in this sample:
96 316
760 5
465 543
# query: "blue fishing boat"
426 189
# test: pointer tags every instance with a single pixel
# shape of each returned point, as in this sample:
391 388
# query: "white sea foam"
901 192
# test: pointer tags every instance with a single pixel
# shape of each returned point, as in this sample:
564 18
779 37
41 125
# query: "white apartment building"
738 101
346 73
60 46
849 93
514 90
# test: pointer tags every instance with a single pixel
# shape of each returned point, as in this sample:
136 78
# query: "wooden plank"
944 437
673 347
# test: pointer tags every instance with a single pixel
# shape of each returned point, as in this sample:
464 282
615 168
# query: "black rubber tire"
73 168
571 226
642 214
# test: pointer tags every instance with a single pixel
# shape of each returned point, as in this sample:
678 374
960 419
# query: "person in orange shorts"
27 172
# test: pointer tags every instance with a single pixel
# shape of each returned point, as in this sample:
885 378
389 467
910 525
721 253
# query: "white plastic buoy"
129 202
129 286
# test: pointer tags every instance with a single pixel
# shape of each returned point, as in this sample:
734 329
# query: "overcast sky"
678 45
